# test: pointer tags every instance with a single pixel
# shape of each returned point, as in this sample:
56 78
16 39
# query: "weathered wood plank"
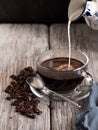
83 38
20 46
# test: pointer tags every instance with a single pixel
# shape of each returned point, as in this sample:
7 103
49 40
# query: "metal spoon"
37 86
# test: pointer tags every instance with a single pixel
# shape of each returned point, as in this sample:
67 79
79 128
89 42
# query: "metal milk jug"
86 8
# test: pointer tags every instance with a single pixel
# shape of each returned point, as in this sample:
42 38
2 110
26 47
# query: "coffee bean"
22 72
37 111
25 102
12 82
14 77
8 89
15 103
31 116
29 69
8 98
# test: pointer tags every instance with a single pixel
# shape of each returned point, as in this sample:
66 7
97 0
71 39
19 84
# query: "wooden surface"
20 46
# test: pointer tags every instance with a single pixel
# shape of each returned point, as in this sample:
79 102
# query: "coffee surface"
61 64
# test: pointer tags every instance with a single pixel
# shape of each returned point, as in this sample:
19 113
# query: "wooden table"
20 45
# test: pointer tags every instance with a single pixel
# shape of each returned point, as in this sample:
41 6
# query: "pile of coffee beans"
25 102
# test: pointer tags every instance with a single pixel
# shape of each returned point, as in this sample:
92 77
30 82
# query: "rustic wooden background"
20 45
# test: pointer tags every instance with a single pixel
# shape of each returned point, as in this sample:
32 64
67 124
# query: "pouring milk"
75 10
78 8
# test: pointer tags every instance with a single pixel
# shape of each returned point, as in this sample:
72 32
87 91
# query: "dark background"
34 11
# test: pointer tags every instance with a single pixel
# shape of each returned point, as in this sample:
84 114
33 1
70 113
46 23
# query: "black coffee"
61 64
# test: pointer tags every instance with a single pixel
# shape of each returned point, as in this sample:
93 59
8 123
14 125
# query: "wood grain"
83 38
20 46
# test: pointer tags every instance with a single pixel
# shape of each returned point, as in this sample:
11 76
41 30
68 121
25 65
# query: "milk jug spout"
86 8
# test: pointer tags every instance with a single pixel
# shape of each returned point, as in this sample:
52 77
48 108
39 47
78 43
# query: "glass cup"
52 67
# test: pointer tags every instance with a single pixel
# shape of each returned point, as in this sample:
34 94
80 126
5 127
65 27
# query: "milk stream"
69 43
75 15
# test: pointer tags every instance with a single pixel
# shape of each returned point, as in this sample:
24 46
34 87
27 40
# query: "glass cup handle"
88 78
84 89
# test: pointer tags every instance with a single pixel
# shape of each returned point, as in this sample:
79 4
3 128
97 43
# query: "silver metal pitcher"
86 8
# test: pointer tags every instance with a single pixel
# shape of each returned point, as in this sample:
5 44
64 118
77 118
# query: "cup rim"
77 69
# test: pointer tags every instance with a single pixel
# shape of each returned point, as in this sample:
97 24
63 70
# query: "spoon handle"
52 93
